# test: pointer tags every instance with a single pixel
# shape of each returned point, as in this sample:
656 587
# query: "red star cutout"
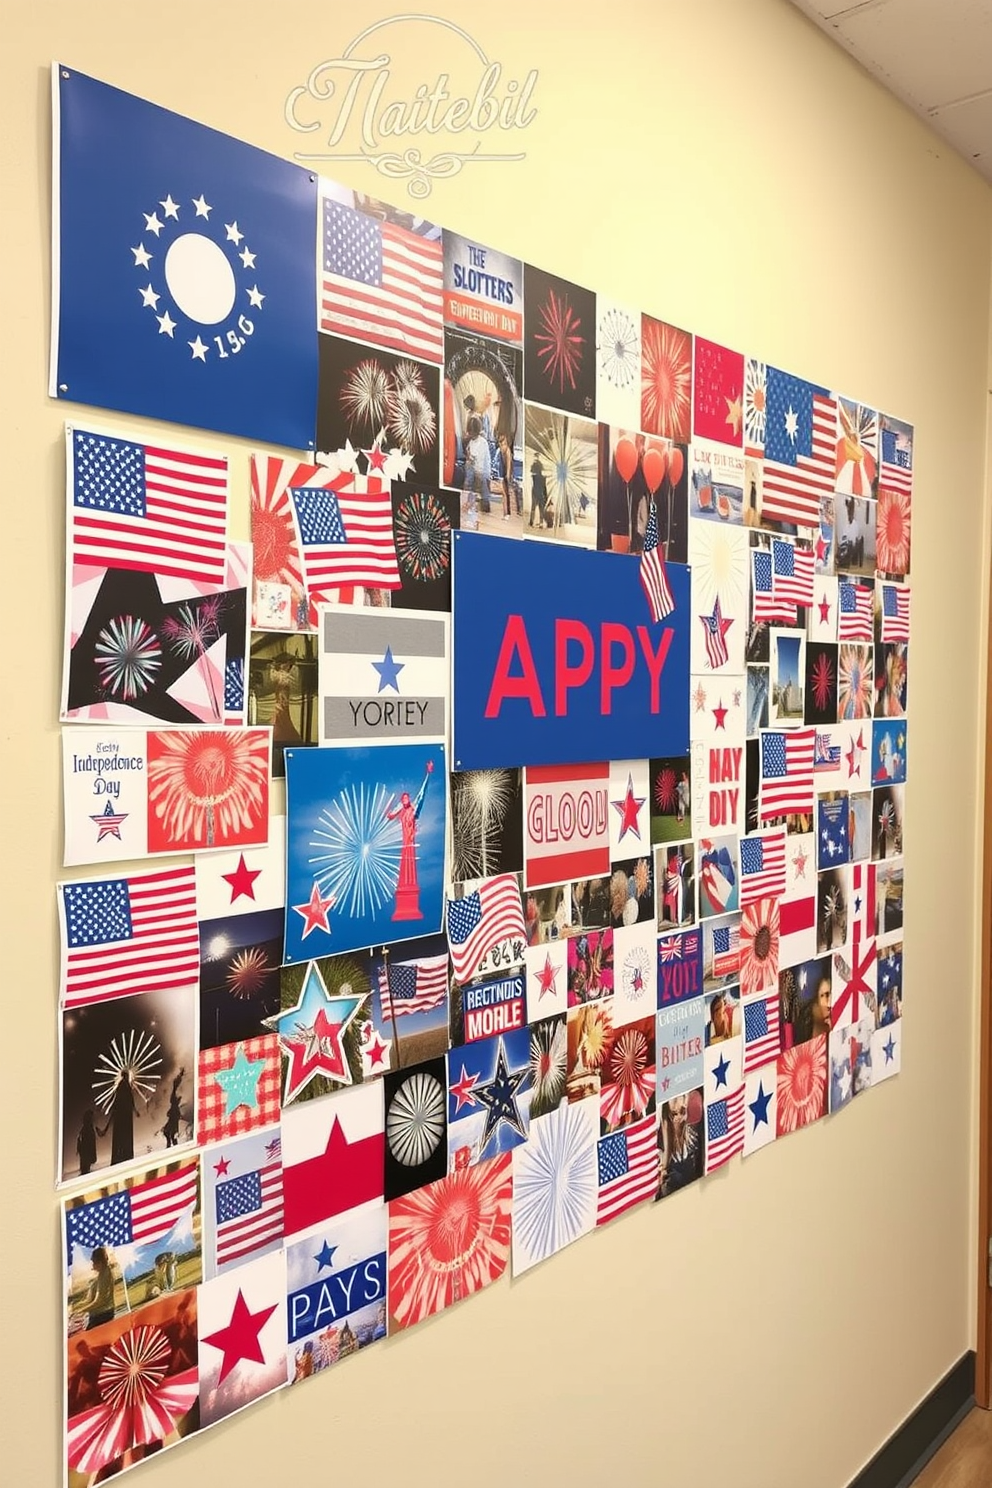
315 912
629 808
376 1052
853 755
242 880
824 607
799 863
548 974
720 714
376 457
463 1090
220 1168
821 548
239 1340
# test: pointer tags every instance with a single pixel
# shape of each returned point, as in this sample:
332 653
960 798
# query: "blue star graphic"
889 1049
759 1106
240 1082
389 671
720 1071
499 1098
325 1256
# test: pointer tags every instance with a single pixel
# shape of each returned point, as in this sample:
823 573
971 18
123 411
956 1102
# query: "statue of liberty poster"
365 850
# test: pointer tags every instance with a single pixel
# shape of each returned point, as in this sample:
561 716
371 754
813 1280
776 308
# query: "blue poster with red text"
557 659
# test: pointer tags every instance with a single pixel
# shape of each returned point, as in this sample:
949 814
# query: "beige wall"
724 165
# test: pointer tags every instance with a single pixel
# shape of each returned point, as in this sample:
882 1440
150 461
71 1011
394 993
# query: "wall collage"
418 995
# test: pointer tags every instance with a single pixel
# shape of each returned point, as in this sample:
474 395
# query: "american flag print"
627 1162
768 600
481 920
715 629
407 987
792 571
800 426
654 579
123 935
248 1210
147 507
137 1215
724 1129
854 611
381 283
346 533
726 950
762 867
895 470
786 786
761 1031
895 612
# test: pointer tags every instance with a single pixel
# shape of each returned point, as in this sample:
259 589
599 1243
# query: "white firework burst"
128 655
408 375
356 852
619 345
415 1120
572 462
411 419
135 1058
365 397
554 1185
755 382
548 1065
480 801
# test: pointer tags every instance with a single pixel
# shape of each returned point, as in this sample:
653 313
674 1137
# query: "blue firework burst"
356 851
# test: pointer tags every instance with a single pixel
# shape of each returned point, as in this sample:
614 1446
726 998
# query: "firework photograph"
590 1032
855 682
128 1077
618 363
240 956
487 825
821 682
666 380
559 343
375 399
548 1064
561 465
134 657
416 1102
365 846
208 789
424 518
483 433
282 691
671 799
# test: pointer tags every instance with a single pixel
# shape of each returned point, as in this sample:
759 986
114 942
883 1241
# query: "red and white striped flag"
762 866
654 579
346 533
854 611
761 1031
124 935
249 1211
786 786
724 1129
382 283
800 450
146 507
484 919
407 987
895 471
628 1168
157 1203
895 612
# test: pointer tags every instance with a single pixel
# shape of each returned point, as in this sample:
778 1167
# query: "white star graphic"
166 324
149 297
152 223
792 423
255 297
233 235
202 208
142 257
397 464
198 349
248 259
170 208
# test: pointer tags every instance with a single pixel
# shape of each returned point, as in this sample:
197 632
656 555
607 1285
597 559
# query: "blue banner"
186 270
556 659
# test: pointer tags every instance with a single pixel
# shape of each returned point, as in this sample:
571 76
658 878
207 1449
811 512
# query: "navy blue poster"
556 659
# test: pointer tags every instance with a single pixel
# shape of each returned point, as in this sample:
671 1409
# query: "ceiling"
936 55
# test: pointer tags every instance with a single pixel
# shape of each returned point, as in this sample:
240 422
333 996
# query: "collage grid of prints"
337 1064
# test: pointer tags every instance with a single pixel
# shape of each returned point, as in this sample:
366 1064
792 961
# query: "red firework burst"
666 380
559 341
630 1076
802 1084
823 680
892 532
449 1239
206 789
276 556
664 790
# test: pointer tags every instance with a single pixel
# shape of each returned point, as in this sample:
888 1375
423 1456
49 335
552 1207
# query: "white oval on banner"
200 279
